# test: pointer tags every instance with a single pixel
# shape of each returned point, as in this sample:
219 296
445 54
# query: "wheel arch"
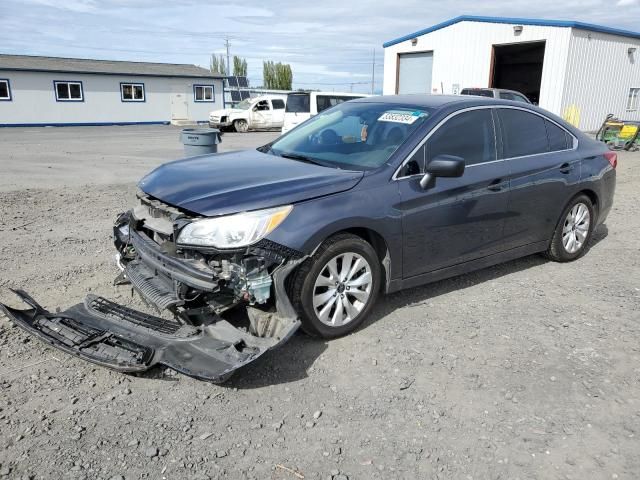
593 196
377 241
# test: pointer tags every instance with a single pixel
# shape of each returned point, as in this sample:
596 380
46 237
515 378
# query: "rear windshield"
298 103
477 91
327 101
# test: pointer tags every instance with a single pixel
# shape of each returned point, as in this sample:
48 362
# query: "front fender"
238 116
313 221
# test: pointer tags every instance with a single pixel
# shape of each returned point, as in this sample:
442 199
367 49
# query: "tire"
241 126
306 284
570 224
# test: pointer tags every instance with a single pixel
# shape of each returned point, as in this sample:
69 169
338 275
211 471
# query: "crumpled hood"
234 182
224 111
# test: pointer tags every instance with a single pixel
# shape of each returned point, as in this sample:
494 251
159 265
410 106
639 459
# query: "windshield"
360 136
243 105
297 103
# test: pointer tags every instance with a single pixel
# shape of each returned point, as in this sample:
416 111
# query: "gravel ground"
528 370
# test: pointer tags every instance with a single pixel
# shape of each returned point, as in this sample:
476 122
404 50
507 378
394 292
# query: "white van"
302 106
259 113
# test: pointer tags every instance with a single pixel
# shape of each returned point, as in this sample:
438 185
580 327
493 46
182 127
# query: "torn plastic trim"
173 267
125 340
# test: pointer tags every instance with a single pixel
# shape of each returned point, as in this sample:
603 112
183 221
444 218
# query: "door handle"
566 168
496 185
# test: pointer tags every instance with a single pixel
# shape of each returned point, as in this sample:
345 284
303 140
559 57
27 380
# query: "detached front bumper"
126 340
197 287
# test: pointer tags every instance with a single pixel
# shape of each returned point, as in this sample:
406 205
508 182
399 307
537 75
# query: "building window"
203 93
5 90
68 91
634 99
132 92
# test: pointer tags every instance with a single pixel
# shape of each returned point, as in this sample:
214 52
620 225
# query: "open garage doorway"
518 66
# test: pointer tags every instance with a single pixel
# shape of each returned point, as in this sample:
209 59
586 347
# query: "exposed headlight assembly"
233 231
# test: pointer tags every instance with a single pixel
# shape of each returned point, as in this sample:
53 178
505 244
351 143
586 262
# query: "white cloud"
328 42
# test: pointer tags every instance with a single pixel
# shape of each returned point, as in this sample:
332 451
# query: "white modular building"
50 91
579 71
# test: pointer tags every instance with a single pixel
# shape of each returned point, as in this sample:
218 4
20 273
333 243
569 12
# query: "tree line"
275 76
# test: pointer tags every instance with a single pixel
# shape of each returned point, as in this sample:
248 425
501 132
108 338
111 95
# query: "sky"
329 44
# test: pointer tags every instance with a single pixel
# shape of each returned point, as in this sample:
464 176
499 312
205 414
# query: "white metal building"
576 70
39 91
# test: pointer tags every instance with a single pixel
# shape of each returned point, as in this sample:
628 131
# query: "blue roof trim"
520 21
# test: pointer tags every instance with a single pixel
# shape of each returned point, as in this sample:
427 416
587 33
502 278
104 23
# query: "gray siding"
600 73
34 101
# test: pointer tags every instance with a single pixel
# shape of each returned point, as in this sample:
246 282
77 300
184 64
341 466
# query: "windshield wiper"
302 158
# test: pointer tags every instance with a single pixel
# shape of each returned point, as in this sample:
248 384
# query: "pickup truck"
260 113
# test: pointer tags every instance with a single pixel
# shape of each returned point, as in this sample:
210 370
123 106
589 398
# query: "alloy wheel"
576 228
242 126
342 289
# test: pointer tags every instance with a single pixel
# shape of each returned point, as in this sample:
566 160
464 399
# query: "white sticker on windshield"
399 116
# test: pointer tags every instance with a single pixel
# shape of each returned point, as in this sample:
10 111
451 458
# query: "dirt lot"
526 370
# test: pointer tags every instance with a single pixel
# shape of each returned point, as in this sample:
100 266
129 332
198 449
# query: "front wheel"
335 290
573 232
241 126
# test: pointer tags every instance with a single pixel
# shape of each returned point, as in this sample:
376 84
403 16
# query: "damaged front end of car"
197 282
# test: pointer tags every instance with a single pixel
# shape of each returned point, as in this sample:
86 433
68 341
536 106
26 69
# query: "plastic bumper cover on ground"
126 340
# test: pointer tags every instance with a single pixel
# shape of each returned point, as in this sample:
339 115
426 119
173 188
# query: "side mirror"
442 166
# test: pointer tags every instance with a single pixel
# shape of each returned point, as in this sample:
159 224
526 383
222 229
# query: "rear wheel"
574 230
335 290
241 126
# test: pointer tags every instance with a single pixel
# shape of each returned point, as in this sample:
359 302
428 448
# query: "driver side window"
469 135
262 105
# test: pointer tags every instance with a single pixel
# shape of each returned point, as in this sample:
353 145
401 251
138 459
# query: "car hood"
240 181
224 111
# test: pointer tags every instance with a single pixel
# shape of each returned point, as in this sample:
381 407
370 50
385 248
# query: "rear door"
544 170
297 110
460 219
277 113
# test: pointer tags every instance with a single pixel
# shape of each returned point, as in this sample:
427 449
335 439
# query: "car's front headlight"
233 231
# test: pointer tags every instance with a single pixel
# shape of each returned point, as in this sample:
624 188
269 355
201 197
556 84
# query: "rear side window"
558 138
523 133
298 103
469 135
277 104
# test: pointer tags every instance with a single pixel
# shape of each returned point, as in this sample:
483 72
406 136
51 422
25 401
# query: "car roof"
341 94
457 102
427 101
437 101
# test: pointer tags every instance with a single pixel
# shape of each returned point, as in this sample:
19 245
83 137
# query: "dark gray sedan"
369 197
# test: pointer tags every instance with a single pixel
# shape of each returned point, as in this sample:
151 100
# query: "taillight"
613 158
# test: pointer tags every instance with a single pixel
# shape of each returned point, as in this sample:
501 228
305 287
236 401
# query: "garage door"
414 75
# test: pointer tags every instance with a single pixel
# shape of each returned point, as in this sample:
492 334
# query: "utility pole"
373 71
226 44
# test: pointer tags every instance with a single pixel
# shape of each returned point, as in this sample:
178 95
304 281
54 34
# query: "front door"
179 103
459 219
261 114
